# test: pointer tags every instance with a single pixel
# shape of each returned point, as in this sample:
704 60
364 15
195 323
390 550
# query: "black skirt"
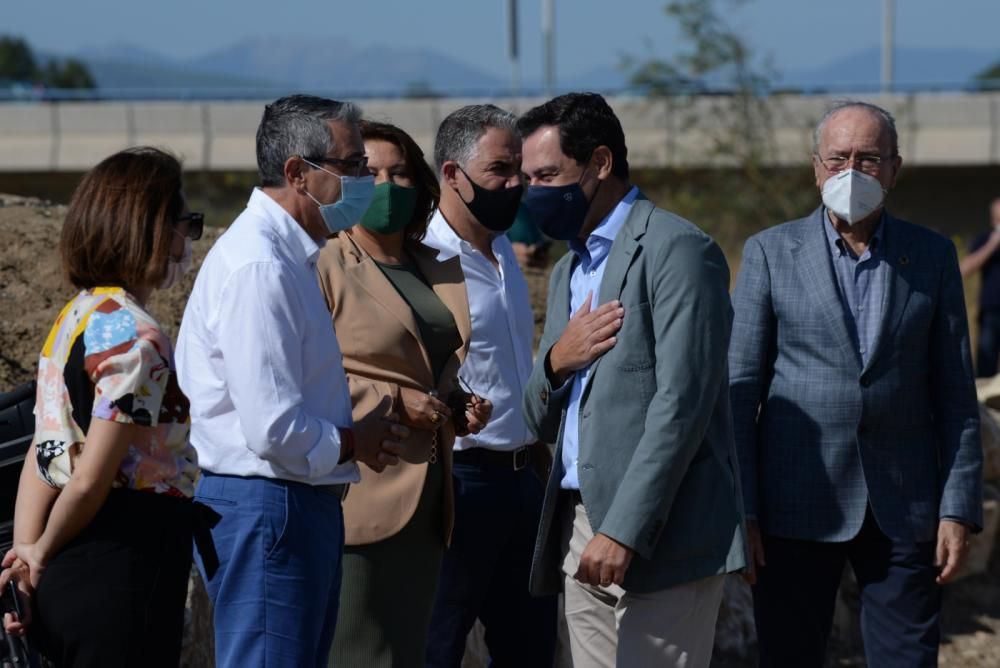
114 596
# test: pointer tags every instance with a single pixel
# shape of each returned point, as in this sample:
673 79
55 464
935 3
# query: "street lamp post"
515 66
888 29
548 45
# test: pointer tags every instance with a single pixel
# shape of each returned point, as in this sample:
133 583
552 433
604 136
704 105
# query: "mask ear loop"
471 182
579 183
325 171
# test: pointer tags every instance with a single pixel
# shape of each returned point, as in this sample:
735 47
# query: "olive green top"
437 325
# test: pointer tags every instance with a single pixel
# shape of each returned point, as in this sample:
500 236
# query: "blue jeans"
485 572
276 592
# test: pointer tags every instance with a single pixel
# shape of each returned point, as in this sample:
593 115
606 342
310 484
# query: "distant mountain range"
282 64
286 63
914 68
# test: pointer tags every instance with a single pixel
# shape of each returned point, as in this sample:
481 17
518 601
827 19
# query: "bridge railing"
935 128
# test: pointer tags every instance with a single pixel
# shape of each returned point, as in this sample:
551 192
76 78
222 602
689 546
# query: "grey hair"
884 116
297 125
461 130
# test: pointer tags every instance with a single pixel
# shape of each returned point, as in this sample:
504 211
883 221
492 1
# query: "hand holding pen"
470 411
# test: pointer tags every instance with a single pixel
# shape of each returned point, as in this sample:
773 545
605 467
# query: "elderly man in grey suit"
642 517
854 409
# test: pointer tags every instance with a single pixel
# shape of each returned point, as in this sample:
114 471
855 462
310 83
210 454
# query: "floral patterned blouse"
106 357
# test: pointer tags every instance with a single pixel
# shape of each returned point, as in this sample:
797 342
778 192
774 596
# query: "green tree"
732 129
17 62
420 89
70 73
991 73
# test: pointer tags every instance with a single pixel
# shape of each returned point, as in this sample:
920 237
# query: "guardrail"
934 128
20 92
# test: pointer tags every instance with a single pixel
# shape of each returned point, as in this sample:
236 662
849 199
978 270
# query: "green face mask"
391 208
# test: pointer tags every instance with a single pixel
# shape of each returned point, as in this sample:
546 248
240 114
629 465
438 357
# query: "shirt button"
593 273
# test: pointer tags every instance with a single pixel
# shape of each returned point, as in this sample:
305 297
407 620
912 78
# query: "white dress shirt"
499 359
258 357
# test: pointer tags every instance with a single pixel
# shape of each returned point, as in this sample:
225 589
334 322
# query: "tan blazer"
382 349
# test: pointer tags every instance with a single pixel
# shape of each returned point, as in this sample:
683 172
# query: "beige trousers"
610 627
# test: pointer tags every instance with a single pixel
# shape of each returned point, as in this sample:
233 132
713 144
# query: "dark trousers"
114 596
796 592
988 344
388 588
485 572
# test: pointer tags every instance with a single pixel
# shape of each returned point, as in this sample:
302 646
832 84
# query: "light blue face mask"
356 193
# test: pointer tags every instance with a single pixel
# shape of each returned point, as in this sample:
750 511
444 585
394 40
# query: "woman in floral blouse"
104 520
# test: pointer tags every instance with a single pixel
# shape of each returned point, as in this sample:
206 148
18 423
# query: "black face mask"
494 209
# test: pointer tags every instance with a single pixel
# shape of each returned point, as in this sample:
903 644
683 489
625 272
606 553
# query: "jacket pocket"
634 350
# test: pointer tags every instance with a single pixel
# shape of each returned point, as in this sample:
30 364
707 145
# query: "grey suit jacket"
819 435
657 464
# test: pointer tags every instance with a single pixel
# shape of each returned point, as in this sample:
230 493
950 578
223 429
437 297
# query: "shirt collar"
839 247
442 236
608 228
303 247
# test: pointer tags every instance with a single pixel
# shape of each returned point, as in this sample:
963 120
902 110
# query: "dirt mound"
33 290
31 286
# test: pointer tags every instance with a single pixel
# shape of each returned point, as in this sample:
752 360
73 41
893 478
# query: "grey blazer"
657 464
818 434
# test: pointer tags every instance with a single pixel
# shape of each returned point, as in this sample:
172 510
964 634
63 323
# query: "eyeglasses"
196 224
350 166
869 163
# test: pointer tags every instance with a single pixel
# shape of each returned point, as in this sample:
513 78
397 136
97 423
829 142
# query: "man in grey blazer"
642 516
854 409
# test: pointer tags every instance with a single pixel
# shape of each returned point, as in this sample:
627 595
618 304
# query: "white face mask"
177 268
852 195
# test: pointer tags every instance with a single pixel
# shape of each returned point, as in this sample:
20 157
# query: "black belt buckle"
520 458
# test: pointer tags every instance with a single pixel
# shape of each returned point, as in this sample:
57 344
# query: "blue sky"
590 33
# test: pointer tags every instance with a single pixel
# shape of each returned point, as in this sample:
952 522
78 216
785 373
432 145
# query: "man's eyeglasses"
349 166
869 163
196 224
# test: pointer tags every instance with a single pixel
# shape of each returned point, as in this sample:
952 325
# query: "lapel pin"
904 260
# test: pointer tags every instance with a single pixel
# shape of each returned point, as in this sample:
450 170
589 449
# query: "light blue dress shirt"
862 281
588 270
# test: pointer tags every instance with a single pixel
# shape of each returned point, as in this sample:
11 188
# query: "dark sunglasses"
196 224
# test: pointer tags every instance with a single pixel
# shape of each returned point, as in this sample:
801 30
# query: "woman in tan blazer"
402 320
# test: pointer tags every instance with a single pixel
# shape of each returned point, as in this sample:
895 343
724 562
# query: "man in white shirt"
498 496
270 408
